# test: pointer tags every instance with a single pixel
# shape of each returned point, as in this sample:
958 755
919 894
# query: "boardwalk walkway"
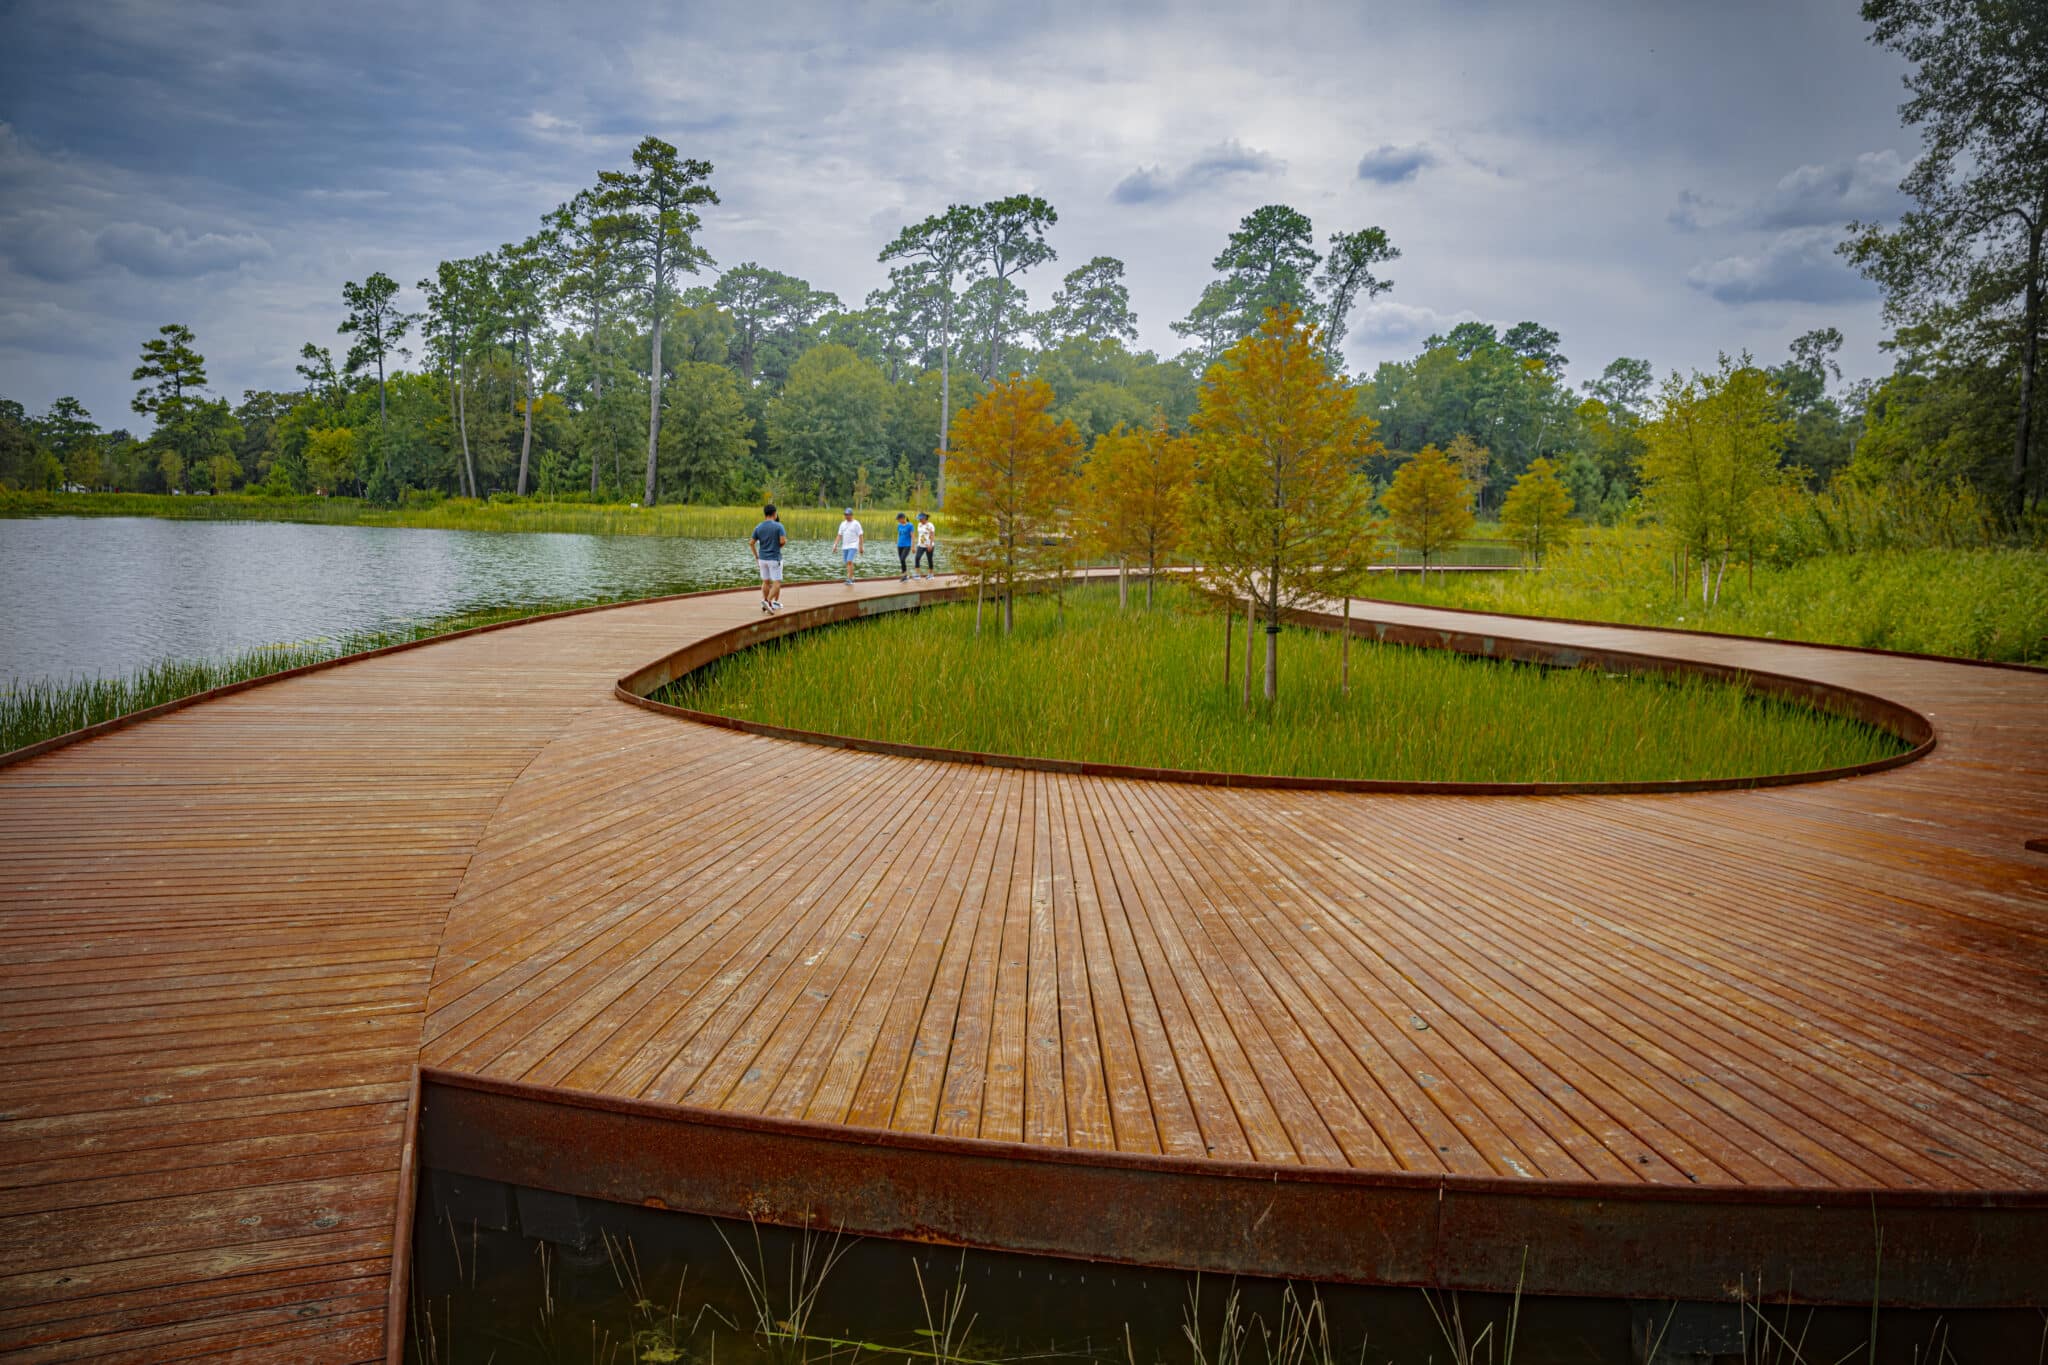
228 935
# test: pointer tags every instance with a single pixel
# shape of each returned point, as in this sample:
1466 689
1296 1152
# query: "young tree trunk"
945 393
526 441
596 385
1273 636
1123 585
1229 635
979 581
461 471
1720 577
1344 651
1706 577
653 402
1151 572
1251 619
995 331
462 422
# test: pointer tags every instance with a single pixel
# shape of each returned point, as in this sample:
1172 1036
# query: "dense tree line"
608 356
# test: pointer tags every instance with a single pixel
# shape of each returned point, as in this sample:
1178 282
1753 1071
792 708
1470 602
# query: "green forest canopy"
533 369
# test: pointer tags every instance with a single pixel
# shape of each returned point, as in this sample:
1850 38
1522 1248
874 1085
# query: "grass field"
1147 688
1968 603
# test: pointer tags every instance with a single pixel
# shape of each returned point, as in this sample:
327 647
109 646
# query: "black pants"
924 558
903 558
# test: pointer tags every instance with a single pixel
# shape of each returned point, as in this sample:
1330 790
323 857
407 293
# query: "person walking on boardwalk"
927 544
768 539
852 540
903 534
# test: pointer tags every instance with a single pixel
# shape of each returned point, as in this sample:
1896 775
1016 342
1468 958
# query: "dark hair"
903 516
769 510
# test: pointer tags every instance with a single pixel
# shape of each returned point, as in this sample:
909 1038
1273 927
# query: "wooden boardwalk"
227 936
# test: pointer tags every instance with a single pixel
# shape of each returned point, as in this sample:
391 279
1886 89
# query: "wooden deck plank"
470 853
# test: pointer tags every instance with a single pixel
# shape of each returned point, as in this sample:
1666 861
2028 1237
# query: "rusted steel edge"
395 1301
1901 721
1949 1249
104 727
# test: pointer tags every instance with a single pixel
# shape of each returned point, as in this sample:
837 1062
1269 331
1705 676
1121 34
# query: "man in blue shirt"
903 534
768 539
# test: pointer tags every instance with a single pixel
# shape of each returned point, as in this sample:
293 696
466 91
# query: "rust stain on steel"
401 1233
1906 724
1946 1249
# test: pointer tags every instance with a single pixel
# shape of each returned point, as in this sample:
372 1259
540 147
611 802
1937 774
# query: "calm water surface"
88 596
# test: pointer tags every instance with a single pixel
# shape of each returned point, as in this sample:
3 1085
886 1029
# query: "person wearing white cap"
851 541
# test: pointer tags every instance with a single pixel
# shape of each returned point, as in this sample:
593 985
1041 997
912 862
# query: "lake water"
91 596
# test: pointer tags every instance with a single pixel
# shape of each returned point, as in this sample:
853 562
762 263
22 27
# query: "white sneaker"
775 606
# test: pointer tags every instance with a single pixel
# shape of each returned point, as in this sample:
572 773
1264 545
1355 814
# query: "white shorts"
771 571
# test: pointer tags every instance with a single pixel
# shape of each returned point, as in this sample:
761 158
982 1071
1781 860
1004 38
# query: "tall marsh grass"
1980 603
1147 688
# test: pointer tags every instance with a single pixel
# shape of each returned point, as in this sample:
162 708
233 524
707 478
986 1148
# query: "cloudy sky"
1658 178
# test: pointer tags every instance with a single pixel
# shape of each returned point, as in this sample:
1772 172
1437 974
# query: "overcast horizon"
1652 180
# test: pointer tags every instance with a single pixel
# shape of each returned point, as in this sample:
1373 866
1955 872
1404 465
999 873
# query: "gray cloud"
176 254
1798 266
1390 165
1694 212
1226 161
229 166
1862 187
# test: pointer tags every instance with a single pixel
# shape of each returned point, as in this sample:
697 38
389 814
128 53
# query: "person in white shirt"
852 540
927 543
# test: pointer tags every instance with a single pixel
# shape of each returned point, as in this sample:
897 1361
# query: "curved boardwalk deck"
229 934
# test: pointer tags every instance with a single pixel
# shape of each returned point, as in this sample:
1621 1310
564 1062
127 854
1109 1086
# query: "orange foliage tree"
1134 496
1010 478
1429 504
1281 514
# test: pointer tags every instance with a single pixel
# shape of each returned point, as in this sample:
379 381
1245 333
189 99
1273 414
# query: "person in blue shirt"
768 539
903 535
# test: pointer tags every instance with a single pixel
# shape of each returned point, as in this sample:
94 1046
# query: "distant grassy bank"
1147 688
1968 603
446 514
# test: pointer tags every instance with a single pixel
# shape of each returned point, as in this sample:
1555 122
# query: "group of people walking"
919 539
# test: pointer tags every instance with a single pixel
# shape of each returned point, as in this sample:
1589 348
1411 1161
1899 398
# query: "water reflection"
106 596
